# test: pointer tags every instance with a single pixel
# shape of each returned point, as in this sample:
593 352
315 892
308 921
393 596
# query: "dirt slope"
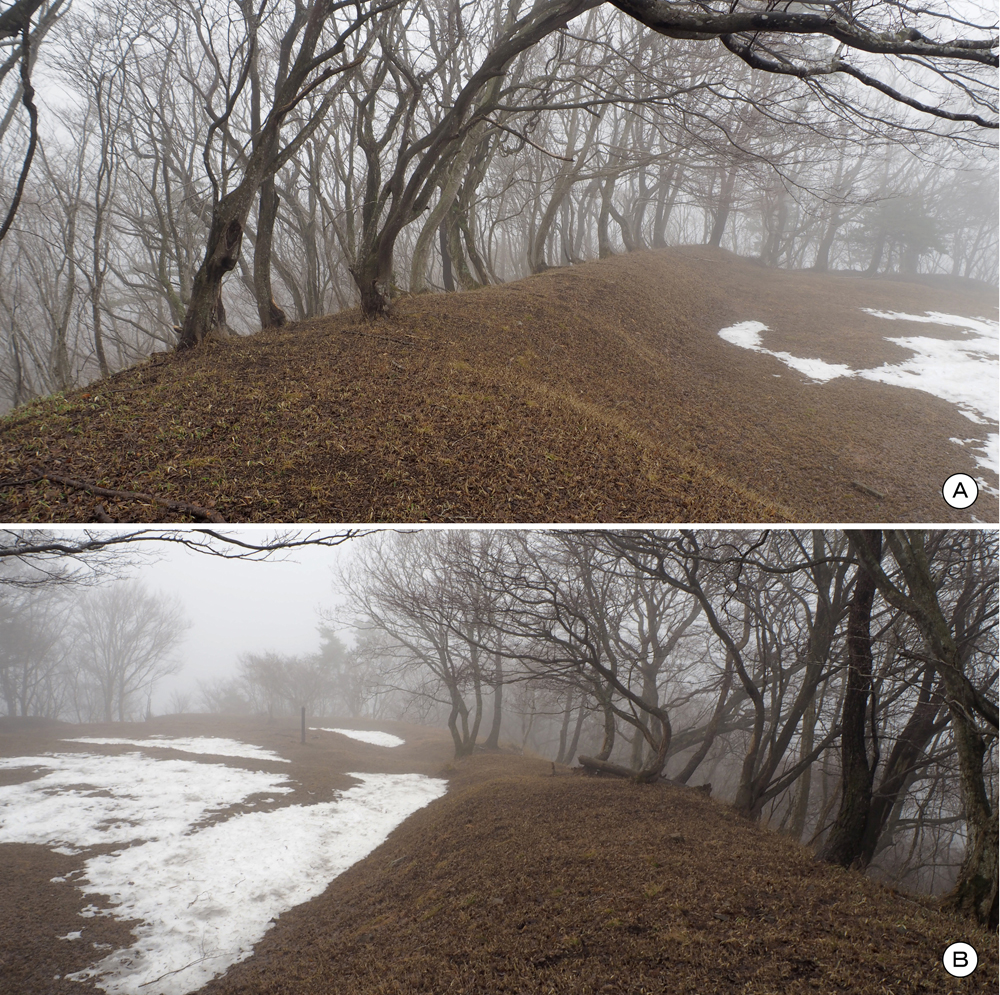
597 393
530 878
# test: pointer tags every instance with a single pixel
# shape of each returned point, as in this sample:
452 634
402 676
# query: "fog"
236 607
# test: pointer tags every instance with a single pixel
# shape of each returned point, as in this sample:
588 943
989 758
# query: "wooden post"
303 723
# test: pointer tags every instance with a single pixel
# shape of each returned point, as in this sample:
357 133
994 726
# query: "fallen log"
603 767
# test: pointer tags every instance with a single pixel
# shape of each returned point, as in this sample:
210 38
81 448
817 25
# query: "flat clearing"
597 393
524 877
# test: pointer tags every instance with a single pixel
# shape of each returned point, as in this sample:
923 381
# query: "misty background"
772 665
603 138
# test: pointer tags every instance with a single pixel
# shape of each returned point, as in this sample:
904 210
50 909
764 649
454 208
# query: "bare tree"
126 644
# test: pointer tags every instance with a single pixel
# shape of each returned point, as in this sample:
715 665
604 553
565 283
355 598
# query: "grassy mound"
597 393
527 878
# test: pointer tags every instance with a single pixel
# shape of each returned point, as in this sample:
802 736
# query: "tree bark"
493 740
844 843
270 314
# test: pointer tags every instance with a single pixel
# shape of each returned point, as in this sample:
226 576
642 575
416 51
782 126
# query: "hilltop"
526 877
596 393
529 877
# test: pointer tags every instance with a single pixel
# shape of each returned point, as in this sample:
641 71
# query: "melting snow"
368 736
190 744
963 371
87 799
204 896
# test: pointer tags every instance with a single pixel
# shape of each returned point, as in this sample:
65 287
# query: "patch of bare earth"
528 878
597 393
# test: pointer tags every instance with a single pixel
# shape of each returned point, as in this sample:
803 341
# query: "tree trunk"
493 740
723 209
564 728
876 254
720 708
206 317
373 275
462 272
822 263
801 807
975 892
900 768
270 314
446 271
580 716
844 844
609 729
603 238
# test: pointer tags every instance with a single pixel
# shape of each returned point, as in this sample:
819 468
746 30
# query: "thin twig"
175 971
525 138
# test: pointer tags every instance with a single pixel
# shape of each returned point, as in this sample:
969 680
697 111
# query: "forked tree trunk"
206 317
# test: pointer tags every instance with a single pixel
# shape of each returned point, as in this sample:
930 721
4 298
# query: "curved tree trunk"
206 317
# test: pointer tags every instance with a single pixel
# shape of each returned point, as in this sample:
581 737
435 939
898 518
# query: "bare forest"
173 171
837 687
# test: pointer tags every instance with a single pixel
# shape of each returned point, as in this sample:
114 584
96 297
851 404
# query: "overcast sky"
236 606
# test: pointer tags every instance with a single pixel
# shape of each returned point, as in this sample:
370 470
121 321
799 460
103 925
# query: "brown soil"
597 393
528 878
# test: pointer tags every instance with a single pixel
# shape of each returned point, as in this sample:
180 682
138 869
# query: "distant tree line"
273 685
330 153
90 655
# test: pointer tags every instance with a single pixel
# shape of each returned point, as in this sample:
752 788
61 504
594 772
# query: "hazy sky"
236 606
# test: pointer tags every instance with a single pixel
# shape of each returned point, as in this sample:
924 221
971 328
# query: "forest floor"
595 393
524 877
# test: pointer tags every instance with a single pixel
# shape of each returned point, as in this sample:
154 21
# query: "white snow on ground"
205 896
963 371
85 799
747 335
367 736
190 744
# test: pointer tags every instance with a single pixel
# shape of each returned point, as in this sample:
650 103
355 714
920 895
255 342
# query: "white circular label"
960 959
960 490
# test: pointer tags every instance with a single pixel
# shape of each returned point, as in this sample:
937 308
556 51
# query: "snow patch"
367 736
747 335
204 897
142 798
213 745
963 371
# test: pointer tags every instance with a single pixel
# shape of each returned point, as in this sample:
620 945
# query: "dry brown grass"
527 878
522 881
598 393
